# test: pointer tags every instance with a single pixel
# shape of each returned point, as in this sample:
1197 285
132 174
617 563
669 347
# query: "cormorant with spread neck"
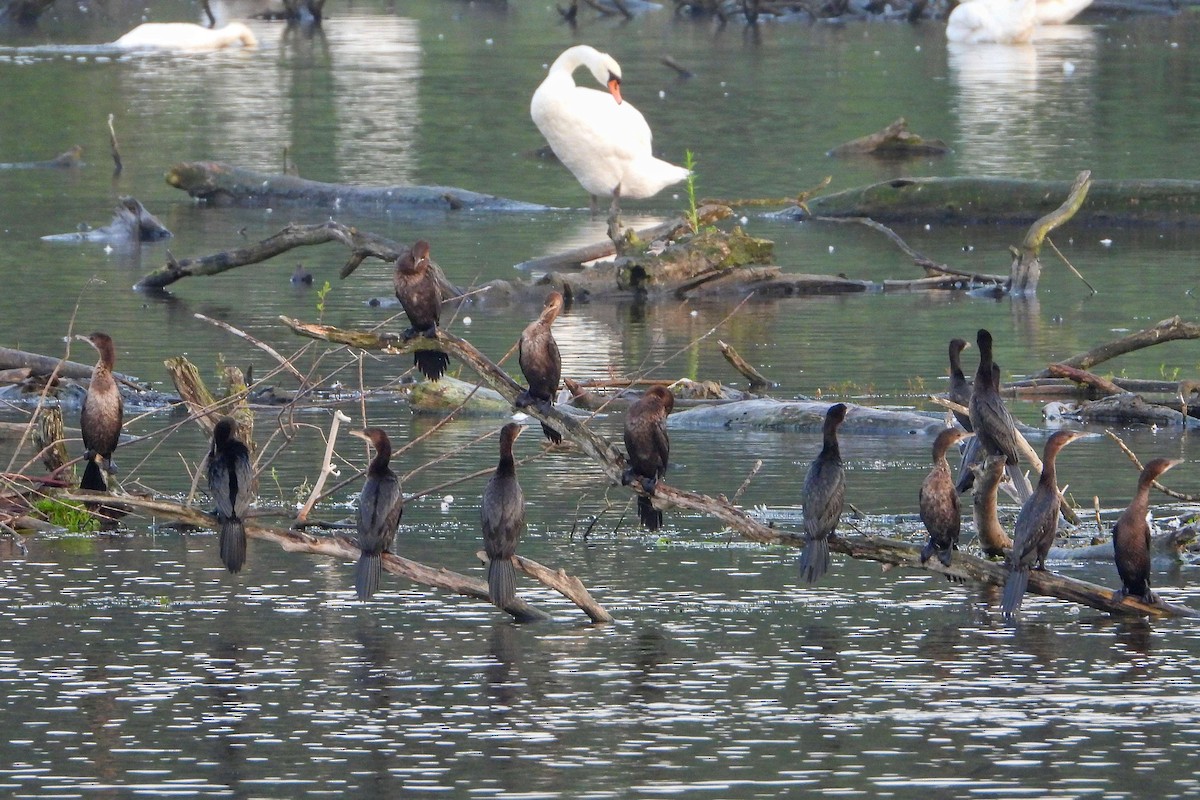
990 419
540 361
824 496
649 448
231 484
1036 525
1131 536
939 501
418 292
380 506
102 415
503 516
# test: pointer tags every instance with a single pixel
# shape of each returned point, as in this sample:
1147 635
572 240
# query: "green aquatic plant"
692 214
321 294
67 514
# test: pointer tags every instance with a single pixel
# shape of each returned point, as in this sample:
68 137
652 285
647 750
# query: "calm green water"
135 664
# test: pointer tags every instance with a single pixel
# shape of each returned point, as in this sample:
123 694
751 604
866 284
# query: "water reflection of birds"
824 496
502 677
604 141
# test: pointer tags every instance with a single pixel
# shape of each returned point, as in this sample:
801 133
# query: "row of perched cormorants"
647 443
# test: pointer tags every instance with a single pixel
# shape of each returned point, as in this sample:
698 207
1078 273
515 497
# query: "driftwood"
1165 331
225 184
131 223
1168 545
1011 201
1026 267
342 547
43 366
612 463
894 141
1099 384
71 159
1130 409
757 381
802 415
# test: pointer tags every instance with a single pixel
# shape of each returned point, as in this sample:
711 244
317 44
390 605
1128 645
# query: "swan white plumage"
603 141
1000 21
186 37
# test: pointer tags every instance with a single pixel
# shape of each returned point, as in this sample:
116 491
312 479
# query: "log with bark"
1167 330
612 462
895 141
1010 201
225 184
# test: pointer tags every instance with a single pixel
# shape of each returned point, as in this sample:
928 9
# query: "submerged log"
131 223
224 184
1026 267
71 159
612 461
1011 201
1130 409
1168 545
894 141
447 394
43 366
767 414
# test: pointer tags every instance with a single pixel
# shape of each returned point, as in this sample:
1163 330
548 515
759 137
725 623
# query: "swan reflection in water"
1017 105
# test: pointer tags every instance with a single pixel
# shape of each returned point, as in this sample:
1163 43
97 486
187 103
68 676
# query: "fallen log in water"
71 159
43 366
1006 200
131 223
894 141
1168 546
342 547
225 184
804 415
1167 330
612 461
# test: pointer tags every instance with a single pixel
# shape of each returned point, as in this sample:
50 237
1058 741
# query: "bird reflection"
1134 634
1040 639
228 714
1012 99
501 679
650 653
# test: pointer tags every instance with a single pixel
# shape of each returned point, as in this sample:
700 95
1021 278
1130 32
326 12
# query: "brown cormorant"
824 495
418 292
988 475
990 419
939 501
503 517
1037 522
1131 536
231 484
102 414
649 448
380 506
540 362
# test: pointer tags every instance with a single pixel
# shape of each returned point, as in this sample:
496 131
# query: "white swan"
604 142
1059 12
1001 21
186 37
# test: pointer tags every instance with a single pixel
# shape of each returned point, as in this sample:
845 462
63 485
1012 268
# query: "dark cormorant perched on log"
649 448
824 495
380 506
417 290
960 387
1037 522
990 419
540 361
231 484
1131 536
503 517
939 501
102 415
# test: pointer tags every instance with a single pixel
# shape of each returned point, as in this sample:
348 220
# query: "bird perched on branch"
231 484
102 415
380 506
603 140
994 426
418 292
1131 536
939 501
649 448
540 361
1037 522
824 496
503 516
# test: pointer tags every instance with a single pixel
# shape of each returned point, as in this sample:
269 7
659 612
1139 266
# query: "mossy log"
224 184
450 394
1009 200
612 462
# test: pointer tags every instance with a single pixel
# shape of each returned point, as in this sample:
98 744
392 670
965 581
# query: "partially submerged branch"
1165 331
